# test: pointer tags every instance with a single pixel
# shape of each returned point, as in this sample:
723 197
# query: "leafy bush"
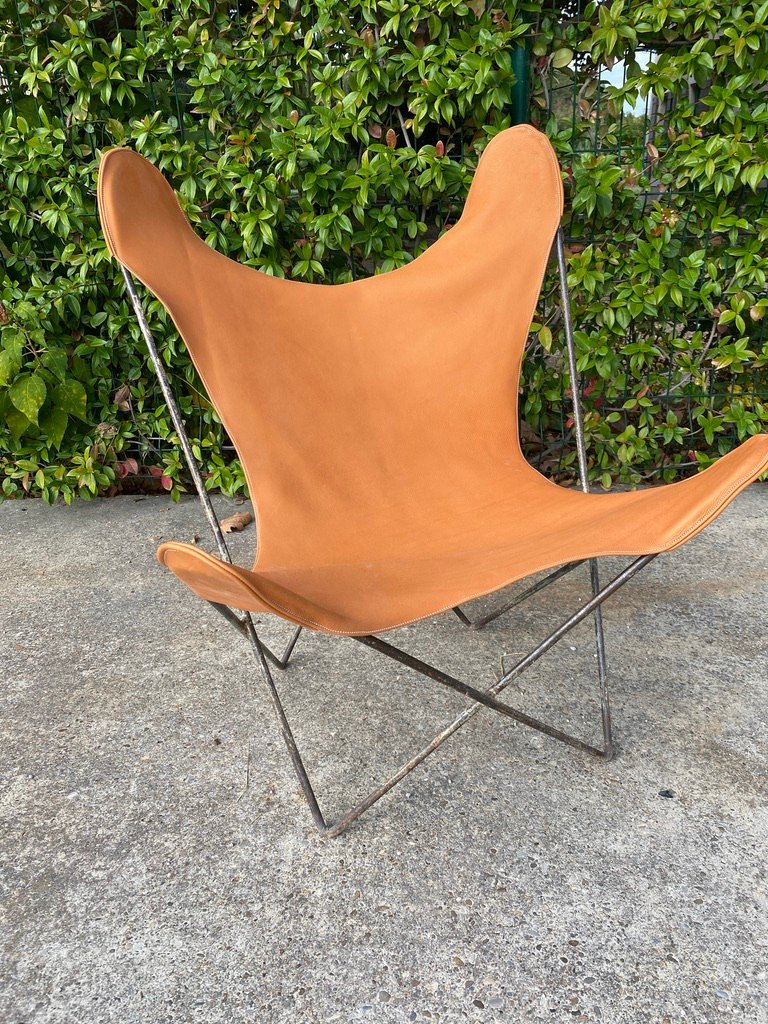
328 141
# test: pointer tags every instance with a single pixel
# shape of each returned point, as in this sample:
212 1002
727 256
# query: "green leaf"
53 424
9 365
55 360
562 58
28 394
12 339
17 423
70 396
545 338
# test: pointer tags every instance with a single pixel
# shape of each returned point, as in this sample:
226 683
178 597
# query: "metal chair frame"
243 621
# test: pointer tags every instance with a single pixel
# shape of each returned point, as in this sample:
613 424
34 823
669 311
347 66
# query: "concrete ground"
159 865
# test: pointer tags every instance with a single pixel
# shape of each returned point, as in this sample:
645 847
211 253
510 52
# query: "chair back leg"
581 451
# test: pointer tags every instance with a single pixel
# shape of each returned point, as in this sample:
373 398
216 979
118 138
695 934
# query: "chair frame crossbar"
488 698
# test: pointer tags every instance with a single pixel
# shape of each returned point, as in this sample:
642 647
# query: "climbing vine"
328 141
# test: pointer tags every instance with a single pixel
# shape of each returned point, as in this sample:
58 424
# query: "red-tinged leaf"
155 471
167 482
569 423
391 138
375 130
652 152
440 148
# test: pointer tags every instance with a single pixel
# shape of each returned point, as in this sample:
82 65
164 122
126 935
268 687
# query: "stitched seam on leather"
306 621
714 507
231 571
103 213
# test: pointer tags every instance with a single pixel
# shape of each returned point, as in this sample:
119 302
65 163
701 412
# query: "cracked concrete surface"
509 878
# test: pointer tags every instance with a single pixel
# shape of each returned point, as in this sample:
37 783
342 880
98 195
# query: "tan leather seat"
377 421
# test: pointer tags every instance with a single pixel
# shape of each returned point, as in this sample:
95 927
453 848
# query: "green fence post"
521 90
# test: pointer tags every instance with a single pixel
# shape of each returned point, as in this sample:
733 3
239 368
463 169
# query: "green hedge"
326 141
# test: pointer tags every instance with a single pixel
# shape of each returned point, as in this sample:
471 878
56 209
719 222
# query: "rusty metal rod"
623 577
478 624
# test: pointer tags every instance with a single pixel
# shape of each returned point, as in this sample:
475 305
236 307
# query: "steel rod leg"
341 824
290 742
581 452
286 656
177 419
241 625
602 667
483 620
481 696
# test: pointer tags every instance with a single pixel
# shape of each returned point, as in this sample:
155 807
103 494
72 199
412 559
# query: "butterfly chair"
377 425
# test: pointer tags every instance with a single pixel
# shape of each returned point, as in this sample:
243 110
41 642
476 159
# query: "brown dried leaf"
122 398
391 138
477 7
237 522
529 435
3 315
652 152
